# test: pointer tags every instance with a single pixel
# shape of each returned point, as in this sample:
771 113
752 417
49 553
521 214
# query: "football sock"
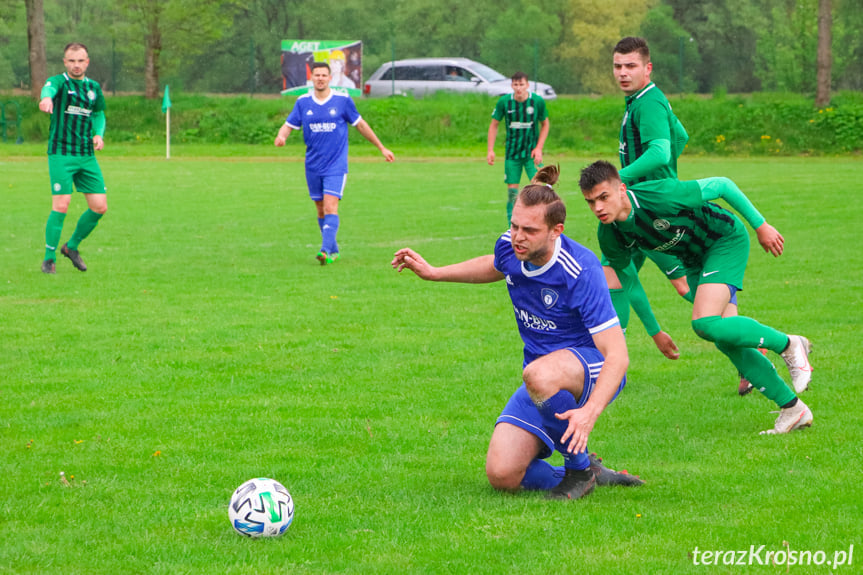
52 234
690 297
86 223
760 372
511 193
541 476
558 403
328 233
739 331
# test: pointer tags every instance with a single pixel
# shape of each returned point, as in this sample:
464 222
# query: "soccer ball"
261 508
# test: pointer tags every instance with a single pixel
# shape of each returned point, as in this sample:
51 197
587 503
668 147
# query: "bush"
447 124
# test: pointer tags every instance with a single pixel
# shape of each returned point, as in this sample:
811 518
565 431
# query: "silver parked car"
422 76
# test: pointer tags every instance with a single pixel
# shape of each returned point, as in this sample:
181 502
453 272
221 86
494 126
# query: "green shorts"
82 171
512 170
669 264
725 262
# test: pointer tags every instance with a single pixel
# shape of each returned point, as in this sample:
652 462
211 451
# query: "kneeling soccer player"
575 355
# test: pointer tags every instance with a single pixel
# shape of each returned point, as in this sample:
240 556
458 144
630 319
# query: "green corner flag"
166 101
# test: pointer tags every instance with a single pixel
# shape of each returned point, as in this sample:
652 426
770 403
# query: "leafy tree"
848 45
180 28
673 51
725 31
523 37
599 25
36 44
825 55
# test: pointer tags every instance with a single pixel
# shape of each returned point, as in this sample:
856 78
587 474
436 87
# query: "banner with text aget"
345 58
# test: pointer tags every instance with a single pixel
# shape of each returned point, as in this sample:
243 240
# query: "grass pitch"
206 346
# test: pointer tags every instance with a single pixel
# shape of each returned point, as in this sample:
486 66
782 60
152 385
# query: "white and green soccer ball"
261 508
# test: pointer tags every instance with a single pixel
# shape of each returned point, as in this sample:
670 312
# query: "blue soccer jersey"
563 303
325 131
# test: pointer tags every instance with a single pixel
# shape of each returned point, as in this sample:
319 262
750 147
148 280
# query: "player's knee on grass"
503 477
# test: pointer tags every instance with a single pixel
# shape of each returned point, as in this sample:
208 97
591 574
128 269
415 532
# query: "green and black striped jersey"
649 117
522 123
75 102
668 216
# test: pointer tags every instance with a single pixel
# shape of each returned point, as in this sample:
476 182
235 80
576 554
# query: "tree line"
233 46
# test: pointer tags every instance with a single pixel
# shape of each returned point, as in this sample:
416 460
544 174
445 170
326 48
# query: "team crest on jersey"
549 297
332 111
661 224
529 110
91 95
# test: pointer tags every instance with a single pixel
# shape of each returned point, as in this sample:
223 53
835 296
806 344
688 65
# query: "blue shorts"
330 185
521 412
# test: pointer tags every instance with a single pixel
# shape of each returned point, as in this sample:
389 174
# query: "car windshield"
487 73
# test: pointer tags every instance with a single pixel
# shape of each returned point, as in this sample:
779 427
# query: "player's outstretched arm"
475 271
581 421
769 238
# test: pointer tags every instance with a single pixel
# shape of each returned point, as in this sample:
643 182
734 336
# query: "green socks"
53 229
86 223
740 331
511 193
738 338
760 372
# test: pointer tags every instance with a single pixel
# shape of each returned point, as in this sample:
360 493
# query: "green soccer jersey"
649 118
522 123
668 216
75 102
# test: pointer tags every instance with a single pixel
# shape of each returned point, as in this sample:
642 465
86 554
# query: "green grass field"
206 346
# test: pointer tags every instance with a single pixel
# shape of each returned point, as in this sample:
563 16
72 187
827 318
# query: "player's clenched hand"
388 155
280 141
579 428
666 345
98 143
407 258
770 239
490 158
46 105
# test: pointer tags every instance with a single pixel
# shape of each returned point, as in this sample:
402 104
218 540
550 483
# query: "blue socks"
329 229
558 403
541 476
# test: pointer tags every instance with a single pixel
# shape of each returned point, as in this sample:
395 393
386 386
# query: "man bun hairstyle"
597 173
540 191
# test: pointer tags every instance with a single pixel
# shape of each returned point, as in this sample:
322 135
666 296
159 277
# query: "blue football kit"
560 305
325 132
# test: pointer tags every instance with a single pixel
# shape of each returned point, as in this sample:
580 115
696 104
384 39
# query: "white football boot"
797 359
790 419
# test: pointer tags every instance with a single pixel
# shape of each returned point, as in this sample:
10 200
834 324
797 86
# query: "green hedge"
759 124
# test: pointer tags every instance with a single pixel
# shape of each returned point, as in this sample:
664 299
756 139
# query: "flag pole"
166 109
168 134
